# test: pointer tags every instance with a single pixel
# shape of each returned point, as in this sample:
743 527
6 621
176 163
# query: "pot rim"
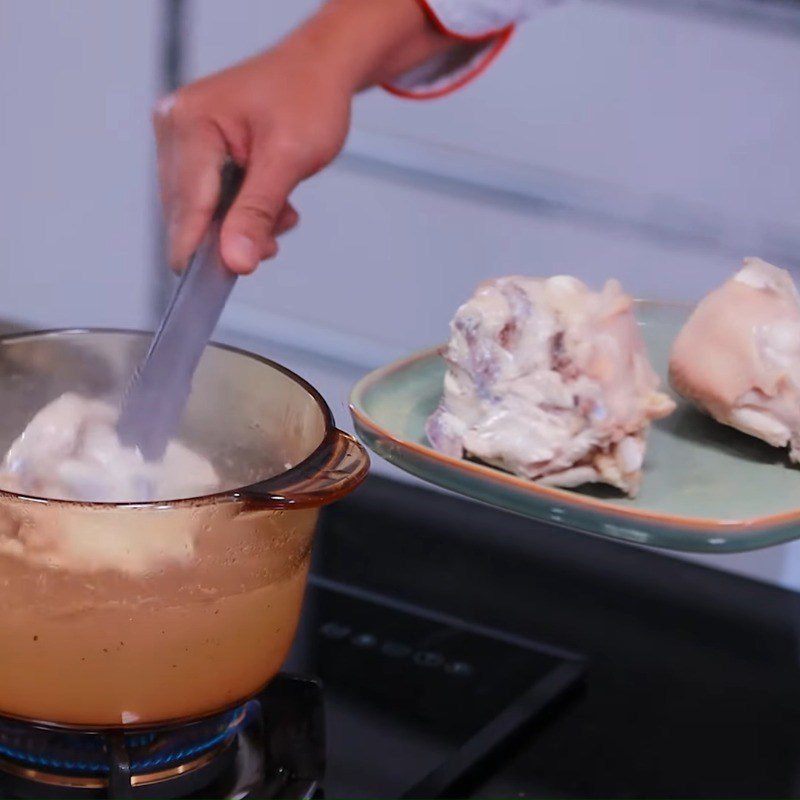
323 453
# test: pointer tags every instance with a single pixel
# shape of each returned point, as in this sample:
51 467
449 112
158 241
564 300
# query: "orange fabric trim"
503 37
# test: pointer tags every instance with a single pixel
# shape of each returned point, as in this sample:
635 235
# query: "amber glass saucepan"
146 613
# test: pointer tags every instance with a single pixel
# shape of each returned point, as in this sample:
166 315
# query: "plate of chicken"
650 422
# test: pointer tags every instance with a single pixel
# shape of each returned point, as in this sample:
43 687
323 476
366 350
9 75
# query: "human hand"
284 115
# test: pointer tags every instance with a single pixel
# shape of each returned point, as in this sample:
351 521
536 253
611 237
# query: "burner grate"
273 746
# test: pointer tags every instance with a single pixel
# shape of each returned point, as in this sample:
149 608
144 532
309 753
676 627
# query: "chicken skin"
550 381
738 355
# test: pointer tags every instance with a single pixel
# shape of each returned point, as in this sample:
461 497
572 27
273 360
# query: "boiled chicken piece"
549 380
70 451
738 355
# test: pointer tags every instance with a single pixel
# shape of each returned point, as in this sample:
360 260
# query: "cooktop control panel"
438 694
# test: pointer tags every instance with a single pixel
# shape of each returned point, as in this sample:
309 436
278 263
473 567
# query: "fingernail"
242 252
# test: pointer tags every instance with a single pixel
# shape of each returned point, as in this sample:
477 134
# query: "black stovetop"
692 686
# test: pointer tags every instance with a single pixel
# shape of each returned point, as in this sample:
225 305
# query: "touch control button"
396 649
427 658
364 640
460 668
334 630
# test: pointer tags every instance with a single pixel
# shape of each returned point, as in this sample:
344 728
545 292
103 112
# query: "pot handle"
337 467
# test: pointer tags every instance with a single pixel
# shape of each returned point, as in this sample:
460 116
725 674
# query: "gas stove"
273 746
404 702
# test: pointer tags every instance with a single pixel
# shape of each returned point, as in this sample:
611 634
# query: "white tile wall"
677 106
77 80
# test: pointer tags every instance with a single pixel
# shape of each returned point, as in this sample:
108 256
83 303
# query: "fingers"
287 219
197 182
260 212
190 157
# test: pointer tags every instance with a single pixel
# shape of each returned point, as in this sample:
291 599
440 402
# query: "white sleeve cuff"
482 28
479 19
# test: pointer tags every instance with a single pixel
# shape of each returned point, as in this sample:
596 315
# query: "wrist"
360 43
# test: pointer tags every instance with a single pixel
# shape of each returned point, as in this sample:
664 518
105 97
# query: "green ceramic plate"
706 487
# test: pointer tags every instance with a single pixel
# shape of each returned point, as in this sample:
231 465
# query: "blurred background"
656 142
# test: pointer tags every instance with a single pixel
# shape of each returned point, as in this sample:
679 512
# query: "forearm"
367 42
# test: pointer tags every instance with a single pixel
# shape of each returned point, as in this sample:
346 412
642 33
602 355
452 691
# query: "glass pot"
146 613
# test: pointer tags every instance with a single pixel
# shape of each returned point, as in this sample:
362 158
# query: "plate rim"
579 502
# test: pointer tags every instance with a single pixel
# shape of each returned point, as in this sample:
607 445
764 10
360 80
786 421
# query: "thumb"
249 229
